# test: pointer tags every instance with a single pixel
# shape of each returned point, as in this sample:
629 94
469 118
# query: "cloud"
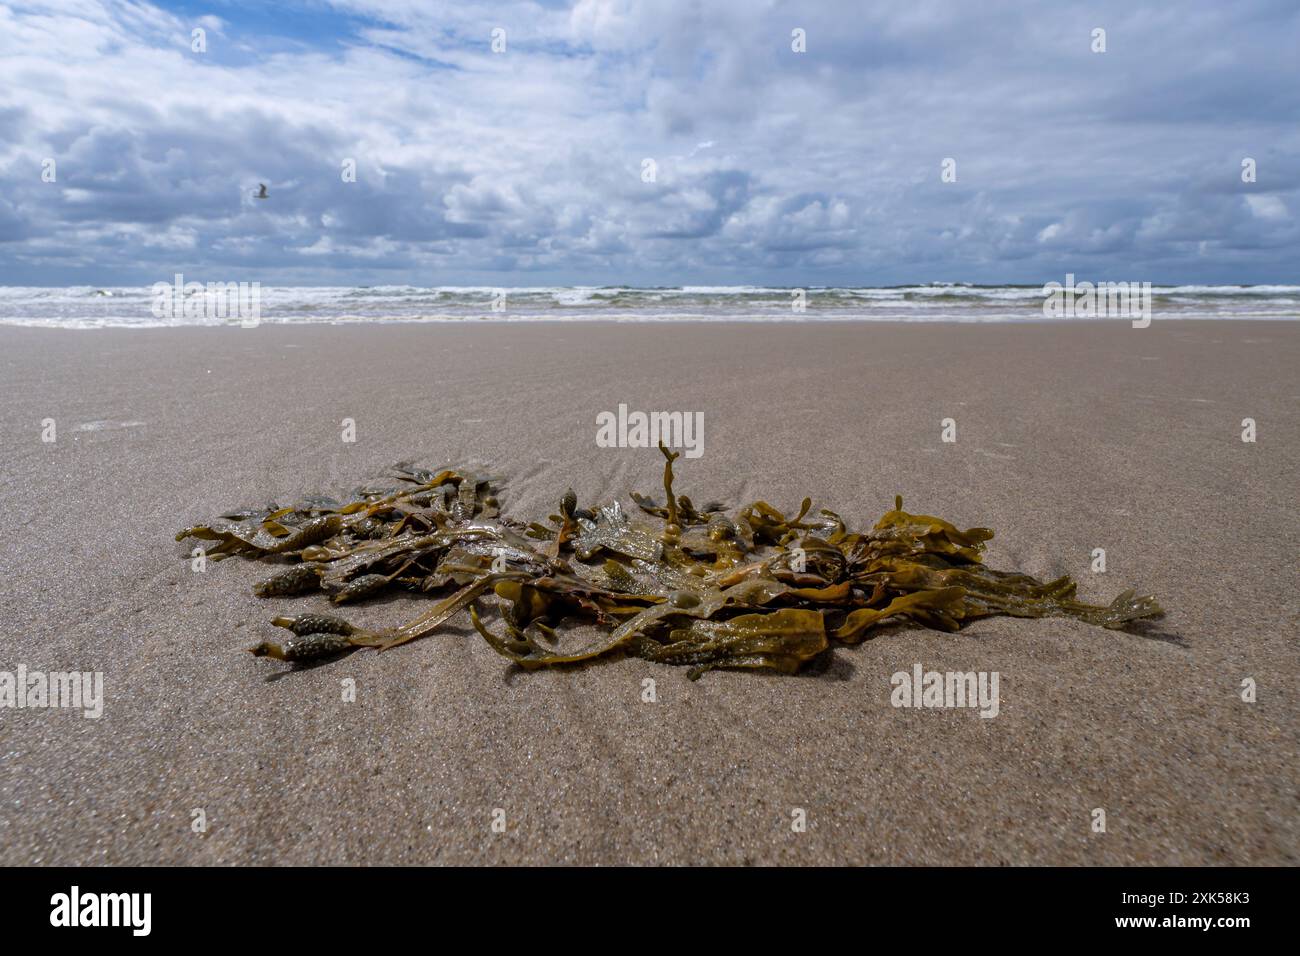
1267 207
525 167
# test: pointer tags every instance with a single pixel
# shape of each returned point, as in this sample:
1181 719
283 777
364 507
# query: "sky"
674 142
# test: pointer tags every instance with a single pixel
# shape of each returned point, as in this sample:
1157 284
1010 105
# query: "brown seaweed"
705 588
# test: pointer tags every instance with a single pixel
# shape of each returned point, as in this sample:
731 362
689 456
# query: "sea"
89 307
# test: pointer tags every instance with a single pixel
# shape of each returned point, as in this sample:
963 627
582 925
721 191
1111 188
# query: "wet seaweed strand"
705 588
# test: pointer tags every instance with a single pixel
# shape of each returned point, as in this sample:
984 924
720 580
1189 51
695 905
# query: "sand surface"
1070 437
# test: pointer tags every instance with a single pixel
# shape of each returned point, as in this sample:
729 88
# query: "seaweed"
747 588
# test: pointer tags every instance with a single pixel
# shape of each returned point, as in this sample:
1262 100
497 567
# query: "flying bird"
261 194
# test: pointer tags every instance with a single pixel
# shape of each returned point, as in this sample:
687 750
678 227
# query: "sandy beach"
1070 437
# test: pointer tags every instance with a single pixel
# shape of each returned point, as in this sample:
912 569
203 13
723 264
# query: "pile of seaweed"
705 587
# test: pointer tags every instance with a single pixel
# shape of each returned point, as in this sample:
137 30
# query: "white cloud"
1267 207
773 166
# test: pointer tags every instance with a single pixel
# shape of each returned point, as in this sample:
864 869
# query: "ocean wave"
88 307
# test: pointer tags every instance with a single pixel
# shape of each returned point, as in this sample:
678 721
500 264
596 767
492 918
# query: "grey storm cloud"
771 167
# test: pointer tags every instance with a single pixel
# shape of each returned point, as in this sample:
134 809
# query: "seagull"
261 193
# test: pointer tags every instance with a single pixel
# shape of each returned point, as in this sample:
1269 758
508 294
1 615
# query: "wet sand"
1070 437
